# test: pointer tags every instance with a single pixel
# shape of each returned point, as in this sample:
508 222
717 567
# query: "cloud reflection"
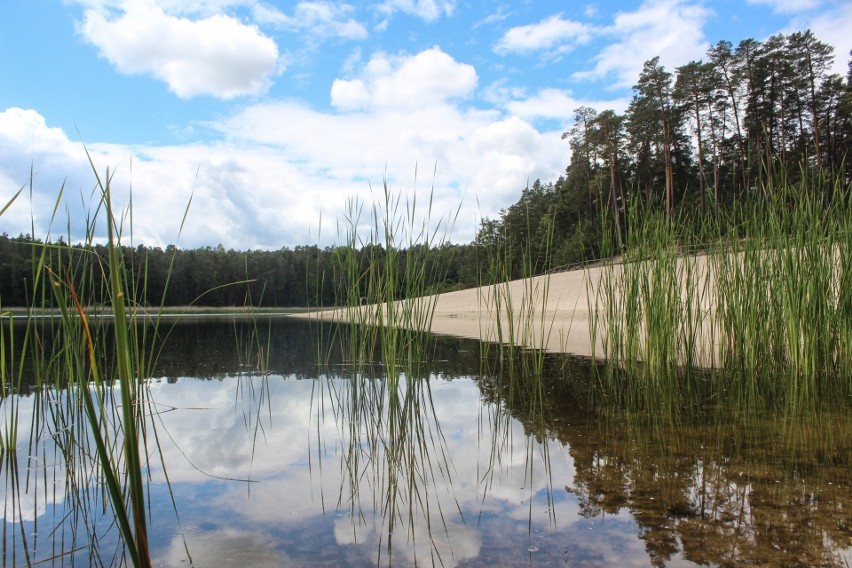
316 460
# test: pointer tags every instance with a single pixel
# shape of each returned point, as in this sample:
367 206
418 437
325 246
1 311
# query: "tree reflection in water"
451 461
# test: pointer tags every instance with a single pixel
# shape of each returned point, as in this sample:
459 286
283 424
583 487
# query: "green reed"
387 275
99 346
388 267
120 463
518 307
764 300
8 388
788 274
639 311
8 406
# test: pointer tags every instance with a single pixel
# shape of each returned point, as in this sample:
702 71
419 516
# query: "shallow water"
260 456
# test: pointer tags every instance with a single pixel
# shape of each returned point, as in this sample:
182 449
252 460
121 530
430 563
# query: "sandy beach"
559 304
552 312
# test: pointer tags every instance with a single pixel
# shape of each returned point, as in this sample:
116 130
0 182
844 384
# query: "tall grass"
518 308
648 309
388 267
91 374
764 299
88 365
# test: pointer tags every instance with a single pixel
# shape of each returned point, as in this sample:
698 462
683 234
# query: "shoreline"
553 312
548 311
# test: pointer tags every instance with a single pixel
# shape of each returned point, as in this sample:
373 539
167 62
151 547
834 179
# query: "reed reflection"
444 460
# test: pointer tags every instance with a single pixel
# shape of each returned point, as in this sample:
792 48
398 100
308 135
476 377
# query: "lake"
266 446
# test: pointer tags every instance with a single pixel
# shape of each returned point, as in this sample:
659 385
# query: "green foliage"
384 279
765 302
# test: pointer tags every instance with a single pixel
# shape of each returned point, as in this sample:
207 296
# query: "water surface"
266 450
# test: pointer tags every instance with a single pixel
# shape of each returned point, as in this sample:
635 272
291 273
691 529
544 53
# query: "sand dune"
551 312
548 311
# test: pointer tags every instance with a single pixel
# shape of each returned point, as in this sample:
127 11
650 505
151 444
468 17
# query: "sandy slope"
552 311
564 324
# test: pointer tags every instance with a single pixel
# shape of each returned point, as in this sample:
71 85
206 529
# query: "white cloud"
501 92
43 158
498 16
671 29
277 168
787 6
216 55
547 103
429 10
474 152
428 78
834 27
194 8
163 180
552 34
321 19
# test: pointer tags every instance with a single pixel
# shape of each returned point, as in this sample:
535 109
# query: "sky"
266 124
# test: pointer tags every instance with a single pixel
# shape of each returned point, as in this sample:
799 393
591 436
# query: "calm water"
320 465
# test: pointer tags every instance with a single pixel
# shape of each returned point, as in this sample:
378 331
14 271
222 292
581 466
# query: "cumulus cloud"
475 152
274 169
553 34
216 55
279 170
428 78
671 29
43 159
558 104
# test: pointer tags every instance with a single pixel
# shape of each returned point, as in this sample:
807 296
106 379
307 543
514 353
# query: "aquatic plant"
763 298
517 309
87 361
387 275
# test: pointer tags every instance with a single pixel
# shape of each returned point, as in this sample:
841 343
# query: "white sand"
559 323
564 324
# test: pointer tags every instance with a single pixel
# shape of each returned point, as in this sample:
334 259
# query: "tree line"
212 276
710 134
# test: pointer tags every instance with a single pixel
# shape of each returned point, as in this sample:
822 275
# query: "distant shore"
169 312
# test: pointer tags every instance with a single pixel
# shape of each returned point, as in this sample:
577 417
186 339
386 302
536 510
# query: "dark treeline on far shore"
693 143
303 276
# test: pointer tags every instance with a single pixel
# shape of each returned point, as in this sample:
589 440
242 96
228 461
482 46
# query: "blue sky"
273 115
